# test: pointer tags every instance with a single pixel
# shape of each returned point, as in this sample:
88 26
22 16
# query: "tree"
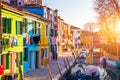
108 12
90 26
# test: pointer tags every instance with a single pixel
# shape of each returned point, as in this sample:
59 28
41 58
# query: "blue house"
31 40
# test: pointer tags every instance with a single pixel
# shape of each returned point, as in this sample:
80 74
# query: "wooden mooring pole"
65 65
59 69
49 71
68 63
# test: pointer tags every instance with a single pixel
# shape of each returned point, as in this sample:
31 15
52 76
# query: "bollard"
59 68
49 71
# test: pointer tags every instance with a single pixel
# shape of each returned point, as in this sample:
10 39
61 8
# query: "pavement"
42 73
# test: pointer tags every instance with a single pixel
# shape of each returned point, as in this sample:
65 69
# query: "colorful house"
69 38
35 35
12 40
60 34
86 39
43 45
51 15
75 36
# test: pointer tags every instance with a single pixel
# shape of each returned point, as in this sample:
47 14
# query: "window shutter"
21 58
8 61
4 19
25 54
17 57
9 25
33 27
21 25
16 27
39 29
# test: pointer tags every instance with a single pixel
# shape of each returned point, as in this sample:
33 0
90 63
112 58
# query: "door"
36 59
30 60
12 62
42 56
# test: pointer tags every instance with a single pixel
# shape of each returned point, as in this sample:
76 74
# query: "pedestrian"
103 62
55 52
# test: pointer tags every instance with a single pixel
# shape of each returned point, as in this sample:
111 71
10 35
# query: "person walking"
55 52
103 62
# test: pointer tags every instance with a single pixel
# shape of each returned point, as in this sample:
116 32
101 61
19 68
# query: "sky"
74 12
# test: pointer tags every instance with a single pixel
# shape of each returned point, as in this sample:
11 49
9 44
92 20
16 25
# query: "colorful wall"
12 39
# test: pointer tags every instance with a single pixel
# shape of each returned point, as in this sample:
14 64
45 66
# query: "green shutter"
4 19
8 61
16 57
9 25
21 25
21 58
16 27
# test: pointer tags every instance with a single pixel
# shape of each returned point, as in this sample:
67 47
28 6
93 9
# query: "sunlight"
118 28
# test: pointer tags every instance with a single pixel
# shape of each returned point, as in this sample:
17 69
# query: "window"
1 59
46 55
8 61
46 30
38 29
21 58
6 25
33 27
51 33
56 33
25 26
13 2
5 60
25 54
19 27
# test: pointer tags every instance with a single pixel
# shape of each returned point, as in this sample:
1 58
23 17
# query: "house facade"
12 40
86 39
60 42
75 36
51 15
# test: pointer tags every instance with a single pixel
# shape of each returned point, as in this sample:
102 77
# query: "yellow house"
12 39
44 44
86 39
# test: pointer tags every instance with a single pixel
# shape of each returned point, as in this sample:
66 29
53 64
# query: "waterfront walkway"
42 73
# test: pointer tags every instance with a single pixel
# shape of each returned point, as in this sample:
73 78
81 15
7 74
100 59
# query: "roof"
7 6
74 27
86 33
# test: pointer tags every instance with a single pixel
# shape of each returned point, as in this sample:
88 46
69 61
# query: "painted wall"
30 45
27 63
44 44
9 48
38 11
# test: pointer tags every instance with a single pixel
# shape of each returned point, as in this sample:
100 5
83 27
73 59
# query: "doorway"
42 56
37 59
12 62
